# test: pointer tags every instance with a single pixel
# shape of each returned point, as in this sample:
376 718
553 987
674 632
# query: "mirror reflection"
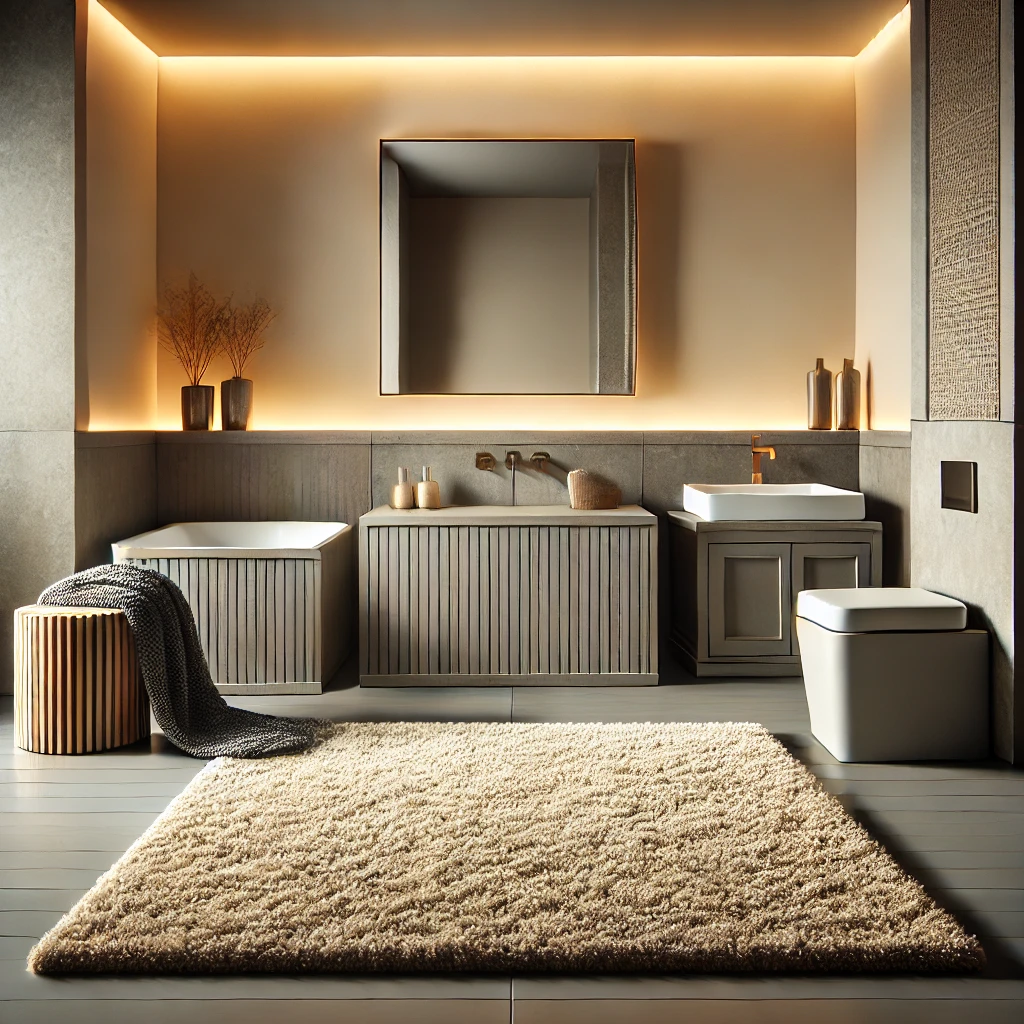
508 267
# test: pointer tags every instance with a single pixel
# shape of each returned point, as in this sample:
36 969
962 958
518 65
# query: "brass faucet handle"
540 461
485 460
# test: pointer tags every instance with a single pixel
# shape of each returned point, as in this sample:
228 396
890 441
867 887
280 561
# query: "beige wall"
117 356
499 295
883 226
746 208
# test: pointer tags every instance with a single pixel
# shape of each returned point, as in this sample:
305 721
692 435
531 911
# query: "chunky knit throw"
185 702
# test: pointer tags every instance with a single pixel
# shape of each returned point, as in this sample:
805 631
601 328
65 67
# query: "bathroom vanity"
501 595
734 585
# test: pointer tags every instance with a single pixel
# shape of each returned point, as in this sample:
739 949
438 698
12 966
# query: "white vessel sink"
719 502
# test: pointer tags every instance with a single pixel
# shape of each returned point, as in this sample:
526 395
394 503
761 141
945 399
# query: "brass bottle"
848 397
819 397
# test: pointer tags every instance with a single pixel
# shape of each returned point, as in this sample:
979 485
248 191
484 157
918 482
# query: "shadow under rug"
409 848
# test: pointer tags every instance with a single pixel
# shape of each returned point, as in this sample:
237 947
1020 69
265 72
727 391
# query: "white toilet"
891 674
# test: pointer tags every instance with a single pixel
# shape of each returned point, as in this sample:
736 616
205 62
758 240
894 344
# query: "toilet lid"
881 609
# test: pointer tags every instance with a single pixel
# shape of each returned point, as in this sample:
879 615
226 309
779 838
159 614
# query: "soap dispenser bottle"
403 494
428 493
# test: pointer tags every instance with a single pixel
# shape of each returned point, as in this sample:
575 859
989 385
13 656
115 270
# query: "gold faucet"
756 451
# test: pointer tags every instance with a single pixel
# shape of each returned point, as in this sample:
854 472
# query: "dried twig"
191 326
243 332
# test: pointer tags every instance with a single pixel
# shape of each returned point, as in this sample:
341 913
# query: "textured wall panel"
963 139
252 481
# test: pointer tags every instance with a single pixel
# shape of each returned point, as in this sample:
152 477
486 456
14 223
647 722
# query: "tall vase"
235 403
197 407
819 397
848 397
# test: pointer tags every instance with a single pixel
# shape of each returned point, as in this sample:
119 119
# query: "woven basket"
590 492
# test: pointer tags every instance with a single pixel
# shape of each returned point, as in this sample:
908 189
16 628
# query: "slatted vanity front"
501 595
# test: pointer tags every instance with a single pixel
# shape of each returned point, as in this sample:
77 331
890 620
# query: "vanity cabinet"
733 586
508 595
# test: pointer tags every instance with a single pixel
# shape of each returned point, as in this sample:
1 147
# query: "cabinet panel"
749 599
488 603
827 567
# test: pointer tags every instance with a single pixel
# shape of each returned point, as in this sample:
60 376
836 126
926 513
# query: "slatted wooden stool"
77 687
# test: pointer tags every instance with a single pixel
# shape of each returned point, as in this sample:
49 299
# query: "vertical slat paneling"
443 599
409 577
423 601
455 602
503 600
583 588
473 608
644 633
76 681
525 623
493 590
434 613
369 583
394 599
466 570
541 584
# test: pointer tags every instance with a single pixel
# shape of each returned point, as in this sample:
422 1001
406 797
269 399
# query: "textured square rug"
407 848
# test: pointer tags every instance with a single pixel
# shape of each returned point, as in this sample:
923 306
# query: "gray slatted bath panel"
482 604
258 619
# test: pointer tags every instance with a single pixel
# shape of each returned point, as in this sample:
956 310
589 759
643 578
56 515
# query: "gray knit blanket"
185 702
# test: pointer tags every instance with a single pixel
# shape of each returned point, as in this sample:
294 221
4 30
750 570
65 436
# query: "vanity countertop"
508 515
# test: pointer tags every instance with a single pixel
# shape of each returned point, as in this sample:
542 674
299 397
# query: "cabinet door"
827 567
749 602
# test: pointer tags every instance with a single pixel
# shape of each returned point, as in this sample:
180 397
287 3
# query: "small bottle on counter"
403 494
819 397
848 397
428 493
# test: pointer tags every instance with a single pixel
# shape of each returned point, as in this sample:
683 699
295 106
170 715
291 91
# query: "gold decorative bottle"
819 397
848 397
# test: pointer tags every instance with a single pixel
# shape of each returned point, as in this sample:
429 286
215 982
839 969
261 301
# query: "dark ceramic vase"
235 403
197 407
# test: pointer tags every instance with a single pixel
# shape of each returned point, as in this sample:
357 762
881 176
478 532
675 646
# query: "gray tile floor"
957 827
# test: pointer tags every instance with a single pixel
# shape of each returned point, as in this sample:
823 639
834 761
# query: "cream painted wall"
882 73
116 352
746 205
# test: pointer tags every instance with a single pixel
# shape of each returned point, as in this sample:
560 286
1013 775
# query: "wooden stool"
77 687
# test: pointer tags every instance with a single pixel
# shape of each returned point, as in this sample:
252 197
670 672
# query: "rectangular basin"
760 502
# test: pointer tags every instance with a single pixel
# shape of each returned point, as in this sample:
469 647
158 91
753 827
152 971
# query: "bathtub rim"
136 547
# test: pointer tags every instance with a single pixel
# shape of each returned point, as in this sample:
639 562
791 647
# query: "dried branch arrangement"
191 326
243 332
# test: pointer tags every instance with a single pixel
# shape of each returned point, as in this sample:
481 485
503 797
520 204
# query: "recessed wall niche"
508 267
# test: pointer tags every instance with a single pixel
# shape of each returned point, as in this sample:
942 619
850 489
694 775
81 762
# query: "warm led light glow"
892 29
328 381
100 17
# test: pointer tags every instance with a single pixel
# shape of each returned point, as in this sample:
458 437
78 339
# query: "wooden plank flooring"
957 827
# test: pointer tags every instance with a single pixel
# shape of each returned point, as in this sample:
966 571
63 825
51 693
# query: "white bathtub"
270 600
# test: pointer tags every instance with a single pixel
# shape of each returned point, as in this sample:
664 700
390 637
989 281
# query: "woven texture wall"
963 140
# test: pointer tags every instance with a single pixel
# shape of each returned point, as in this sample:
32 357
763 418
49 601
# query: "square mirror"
508 267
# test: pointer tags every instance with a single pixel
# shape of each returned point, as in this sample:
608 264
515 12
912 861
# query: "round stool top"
67 611
881 609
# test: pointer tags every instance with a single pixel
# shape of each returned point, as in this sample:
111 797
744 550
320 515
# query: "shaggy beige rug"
428 847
